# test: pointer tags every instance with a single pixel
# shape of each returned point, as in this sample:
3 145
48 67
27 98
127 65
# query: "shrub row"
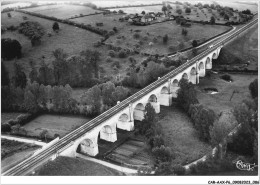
88 27
20 120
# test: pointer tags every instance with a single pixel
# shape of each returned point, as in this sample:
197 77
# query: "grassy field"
148 33
63 11
13 151
114 3
134 10
54 124
221 101
180 135
66 166
5 116
109 21
71 39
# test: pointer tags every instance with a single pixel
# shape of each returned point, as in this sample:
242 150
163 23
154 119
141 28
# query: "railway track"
34 161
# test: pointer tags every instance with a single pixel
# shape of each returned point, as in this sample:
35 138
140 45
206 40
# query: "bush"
162 154
116 64
55 26
122 54
157 141
164 168
12 122
109 59
136 35
5 127
226 77
179 169
112 53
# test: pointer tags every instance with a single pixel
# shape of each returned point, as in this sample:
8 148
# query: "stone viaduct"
162 95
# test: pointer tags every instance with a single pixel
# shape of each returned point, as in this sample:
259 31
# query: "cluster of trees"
145 74
247 11
164 156
88 27
215 130
10 49
77 71
35 98
33 30
100 98
202 117
245 142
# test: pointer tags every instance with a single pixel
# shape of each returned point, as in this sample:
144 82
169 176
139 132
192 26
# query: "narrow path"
113 166
24 140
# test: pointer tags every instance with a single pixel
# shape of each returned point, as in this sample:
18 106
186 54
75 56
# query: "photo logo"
245 166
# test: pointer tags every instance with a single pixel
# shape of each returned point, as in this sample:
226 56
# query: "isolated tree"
179 11
164 9
149 113
55 26
115 29
165 39
187 10
194 43
143 12
212 20
9 15
10 49
120 11
184 31
4 76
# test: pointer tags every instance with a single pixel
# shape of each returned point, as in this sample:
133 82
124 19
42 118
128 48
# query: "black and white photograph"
129 92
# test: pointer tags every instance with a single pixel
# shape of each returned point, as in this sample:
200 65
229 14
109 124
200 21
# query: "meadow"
67 166
71 39
63 11
181 136
158 31
54 124
221 101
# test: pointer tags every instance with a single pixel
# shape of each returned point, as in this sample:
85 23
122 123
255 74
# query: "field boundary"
90 28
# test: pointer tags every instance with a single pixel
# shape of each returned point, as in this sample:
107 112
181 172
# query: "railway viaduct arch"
162 95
